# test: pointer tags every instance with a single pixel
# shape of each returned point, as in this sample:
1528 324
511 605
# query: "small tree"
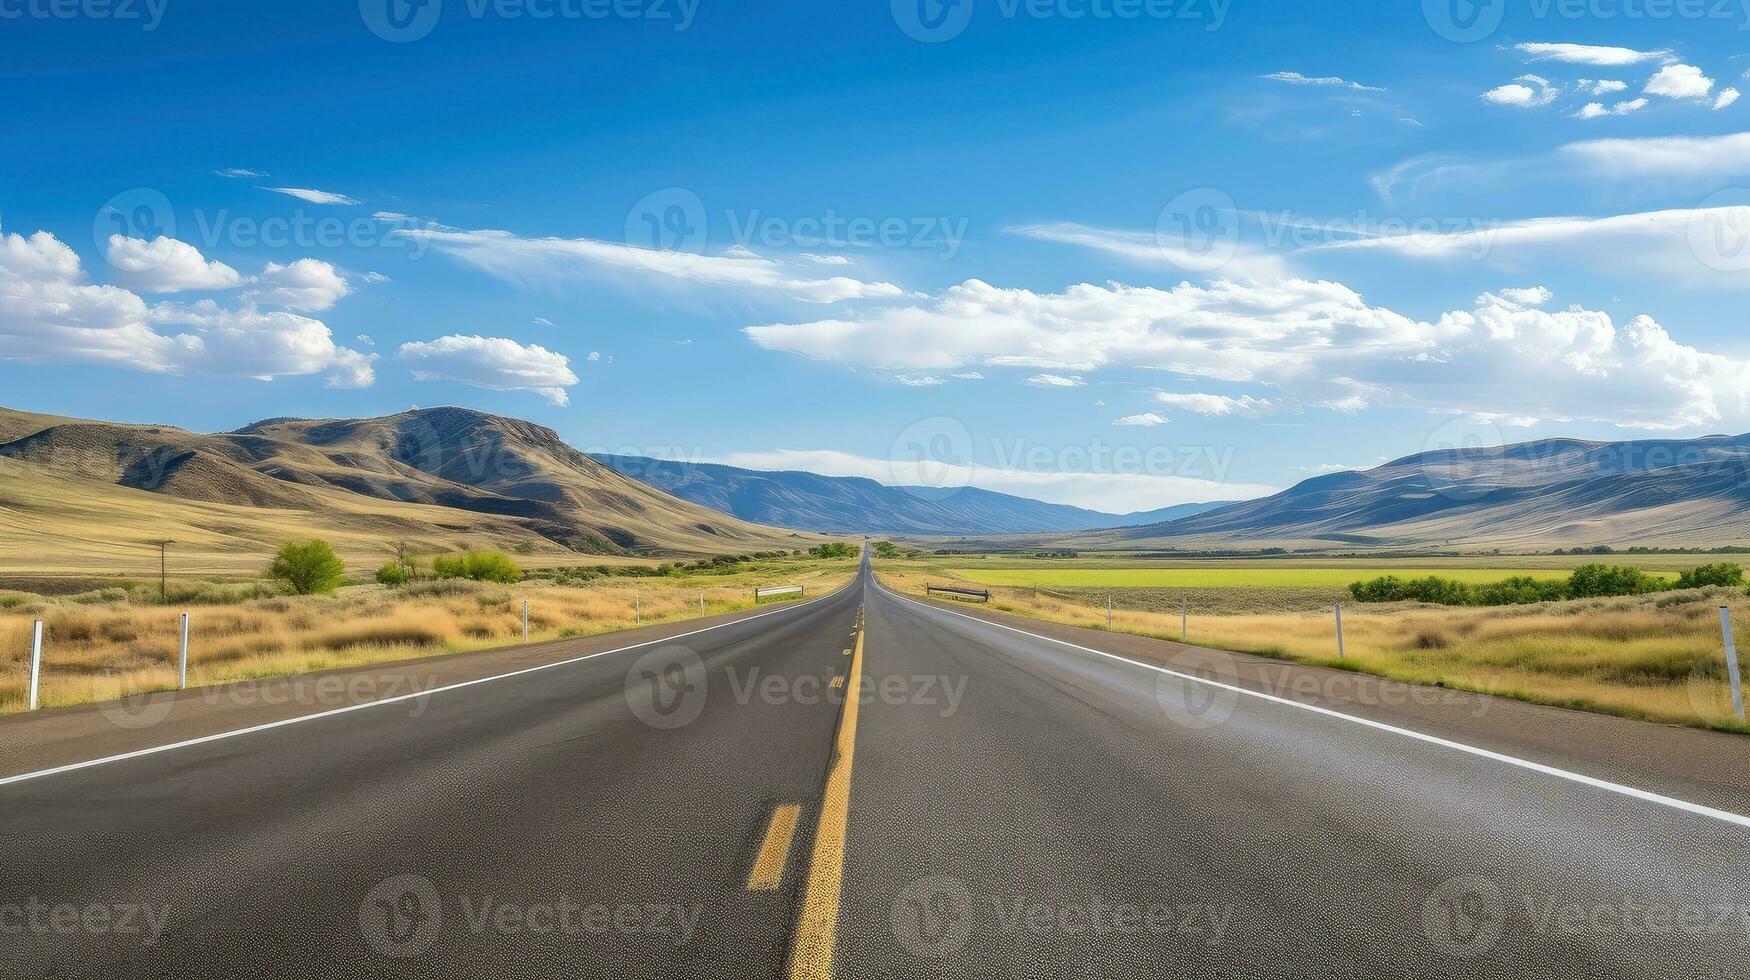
307 567
393 574
1725 573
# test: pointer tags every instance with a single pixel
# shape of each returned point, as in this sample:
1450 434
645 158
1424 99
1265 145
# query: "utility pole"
162 545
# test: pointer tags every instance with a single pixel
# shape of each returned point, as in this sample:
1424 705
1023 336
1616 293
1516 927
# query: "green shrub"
394 574
834 550
481 566
307 567
1722 574
1592 581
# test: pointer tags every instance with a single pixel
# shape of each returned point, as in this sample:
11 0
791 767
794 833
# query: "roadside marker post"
1184 620
1340 655
1732 661
1108 612
182 658
525 620
36 660
637 609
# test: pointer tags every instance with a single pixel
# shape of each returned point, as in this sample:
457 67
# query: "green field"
1230 577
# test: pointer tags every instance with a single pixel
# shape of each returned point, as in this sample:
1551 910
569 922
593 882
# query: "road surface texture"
996 803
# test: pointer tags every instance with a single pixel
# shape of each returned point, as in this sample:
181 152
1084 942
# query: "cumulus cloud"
312 196
165 265
1218 405
1314 343
1594 110
50 313
548 261
307 284
1145 419
1524 92
495 363
1325 81
1604 86
1528 296
1726 97
1679 82
1589 54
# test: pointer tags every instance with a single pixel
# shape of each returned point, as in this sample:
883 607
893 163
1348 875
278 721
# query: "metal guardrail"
954 592
778 592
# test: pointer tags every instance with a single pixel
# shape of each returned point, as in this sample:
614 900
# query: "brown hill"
512 475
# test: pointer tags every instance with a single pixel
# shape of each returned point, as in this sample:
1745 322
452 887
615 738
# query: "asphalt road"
994 804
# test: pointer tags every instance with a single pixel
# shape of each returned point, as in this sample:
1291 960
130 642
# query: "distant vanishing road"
996 803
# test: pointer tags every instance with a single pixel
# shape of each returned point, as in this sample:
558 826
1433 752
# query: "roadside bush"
1593 581
1722 574
1519 590
307 567
834 550
481 566
394 574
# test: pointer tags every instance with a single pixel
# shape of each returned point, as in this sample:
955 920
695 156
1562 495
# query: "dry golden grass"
1656 657
105 650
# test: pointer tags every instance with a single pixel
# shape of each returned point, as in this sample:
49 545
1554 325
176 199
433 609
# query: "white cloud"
1726 97
1677 244
1603 86
1203 404
1594 110
1525 92
165 265
239 172
594 356
826 259
1145 419
495 363
49 313
366 339
1680 82
1327 81
1589 54
1155 250
1529 296
1694 157
552 260
307 284
1315 343
312 196
1121 492
1052 381
968 376
919 382
542 321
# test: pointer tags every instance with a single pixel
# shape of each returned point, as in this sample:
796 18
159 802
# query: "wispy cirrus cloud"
1602 56
1319 81
550 261
313 196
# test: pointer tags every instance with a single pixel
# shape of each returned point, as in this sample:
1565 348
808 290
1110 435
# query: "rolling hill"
850 505
445 476
1542 494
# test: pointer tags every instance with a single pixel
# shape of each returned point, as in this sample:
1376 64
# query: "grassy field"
105 645
1127 576
1656 657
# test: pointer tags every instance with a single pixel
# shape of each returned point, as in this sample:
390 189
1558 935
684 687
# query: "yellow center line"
768 867
817 926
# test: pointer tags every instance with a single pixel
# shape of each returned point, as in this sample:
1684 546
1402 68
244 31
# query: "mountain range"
855 505
1541 494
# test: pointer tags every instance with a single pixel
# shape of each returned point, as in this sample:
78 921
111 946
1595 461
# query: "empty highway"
994 803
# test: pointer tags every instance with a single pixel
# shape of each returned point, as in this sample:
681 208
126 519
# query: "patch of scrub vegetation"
1586 582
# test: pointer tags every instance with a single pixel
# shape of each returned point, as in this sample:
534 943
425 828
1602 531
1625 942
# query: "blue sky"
1102 252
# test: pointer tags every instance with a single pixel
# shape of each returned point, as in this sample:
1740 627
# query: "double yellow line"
817 927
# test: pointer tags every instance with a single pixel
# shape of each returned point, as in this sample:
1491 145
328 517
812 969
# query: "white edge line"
1585 780
202 740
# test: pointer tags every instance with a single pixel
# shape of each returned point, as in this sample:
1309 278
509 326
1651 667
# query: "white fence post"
525 620
1184 620
1340 654
1732 661
637 608
36 660
1108 611
701 603
182 658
